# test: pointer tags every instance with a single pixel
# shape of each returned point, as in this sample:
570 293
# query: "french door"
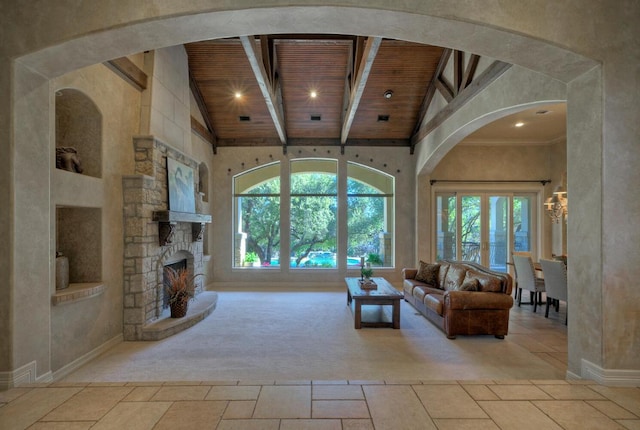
484 227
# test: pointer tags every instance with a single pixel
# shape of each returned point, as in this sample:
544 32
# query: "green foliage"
313 215
251 257
365 218
375 259
261 219
367 272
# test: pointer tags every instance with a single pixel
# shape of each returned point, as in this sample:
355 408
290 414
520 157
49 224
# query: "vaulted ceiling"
337 90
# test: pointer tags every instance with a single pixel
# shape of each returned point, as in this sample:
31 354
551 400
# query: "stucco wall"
564 40
79 327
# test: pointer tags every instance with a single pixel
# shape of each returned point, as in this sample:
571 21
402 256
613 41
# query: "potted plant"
250 259
367 272
180 288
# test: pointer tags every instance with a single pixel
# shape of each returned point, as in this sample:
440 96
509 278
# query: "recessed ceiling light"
519 124
313 94
238 94
388 94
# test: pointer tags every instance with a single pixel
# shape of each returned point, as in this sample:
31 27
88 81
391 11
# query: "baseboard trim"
610 377
276 286
81 361
23 375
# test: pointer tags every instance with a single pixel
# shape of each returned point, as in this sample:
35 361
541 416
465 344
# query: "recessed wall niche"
79 238
78 133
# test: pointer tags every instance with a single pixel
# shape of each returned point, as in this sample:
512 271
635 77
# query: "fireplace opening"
181 264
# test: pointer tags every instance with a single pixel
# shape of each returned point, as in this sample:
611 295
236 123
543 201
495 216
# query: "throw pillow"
470 285
428 273
486 282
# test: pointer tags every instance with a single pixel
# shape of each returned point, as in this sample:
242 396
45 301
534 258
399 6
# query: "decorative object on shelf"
180 288
181 186
62 271
557 205
67 159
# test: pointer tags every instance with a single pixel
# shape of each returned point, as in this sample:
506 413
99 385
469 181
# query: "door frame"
510 189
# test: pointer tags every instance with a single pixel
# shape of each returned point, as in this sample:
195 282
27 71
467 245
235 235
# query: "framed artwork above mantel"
181 186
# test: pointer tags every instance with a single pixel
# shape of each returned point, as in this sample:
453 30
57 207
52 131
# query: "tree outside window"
313 221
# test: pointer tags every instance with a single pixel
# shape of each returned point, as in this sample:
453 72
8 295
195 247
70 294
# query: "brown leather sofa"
462 298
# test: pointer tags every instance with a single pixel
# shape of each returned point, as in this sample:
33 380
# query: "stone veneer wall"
144 193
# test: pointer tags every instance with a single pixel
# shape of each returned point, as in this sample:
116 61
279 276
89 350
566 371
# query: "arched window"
370 216
314 199
257 217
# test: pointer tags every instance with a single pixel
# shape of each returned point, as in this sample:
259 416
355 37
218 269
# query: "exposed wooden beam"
127 70
369 55
356 59
197 94
266 88
311 141
493 72
431 91
470 71
458 63
202 131
265 45
447 92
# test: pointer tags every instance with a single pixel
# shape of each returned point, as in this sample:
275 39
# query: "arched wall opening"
31 128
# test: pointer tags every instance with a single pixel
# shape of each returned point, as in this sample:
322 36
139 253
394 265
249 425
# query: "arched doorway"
93 45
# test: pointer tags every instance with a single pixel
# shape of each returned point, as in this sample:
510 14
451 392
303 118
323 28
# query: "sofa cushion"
419 292
428 273
442 275
455 277
486 282
470 285
434 302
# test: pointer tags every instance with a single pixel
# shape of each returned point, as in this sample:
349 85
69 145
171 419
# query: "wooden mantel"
167 221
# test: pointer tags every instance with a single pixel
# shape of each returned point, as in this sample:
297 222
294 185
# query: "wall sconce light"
557 205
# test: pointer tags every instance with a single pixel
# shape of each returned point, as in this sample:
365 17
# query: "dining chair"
527 280
518 291
555 279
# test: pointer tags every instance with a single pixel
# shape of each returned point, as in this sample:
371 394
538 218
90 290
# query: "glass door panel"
470 228
496 249
446 226
484 227
522 222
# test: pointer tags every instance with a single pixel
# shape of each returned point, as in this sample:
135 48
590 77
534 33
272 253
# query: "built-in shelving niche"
78 133
79 238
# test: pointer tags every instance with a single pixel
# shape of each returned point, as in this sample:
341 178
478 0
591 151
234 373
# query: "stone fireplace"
154 237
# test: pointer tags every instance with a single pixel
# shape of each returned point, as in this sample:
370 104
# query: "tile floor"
319 405
338 404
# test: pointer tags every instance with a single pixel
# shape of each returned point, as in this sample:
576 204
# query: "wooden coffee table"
384 295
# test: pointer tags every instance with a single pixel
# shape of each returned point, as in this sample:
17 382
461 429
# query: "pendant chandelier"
556 206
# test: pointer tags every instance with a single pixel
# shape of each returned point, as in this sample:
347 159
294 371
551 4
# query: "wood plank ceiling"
256 91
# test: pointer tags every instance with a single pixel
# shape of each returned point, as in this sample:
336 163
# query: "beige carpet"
284 335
